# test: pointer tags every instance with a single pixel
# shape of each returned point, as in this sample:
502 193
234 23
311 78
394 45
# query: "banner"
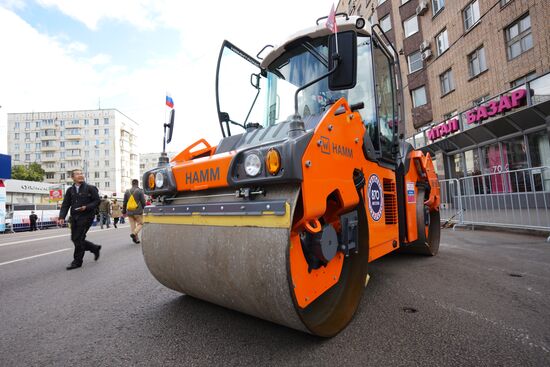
56 195
2 206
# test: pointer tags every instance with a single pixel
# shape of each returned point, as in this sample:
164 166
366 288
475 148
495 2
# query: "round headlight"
159 179
151 181
252 164
360 23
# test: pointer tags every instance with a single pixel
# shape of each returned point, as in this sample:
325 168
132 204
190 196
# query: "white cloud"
48 73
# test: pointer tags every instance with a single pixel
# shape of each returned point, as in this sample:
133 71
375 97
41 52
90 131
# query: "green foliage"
32 172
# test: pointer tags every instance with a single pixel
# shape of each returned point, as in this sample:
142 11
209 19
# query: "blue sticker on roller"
376 197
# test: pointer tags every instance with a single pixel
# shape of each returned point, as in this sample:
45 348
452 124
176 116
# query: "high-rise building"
475 79
100 142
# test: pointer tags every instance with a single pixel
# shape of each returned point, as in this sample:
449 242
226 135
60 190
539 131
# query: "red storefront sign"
506 102
56 195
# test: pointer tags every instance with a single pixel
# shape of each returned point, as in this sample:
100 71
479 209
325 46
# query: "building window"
96 174
385 23
16 157
471 14
50 175
106 173
504 2
410 26
106 152
106 131
437 6
106 163
415 62
27 157
96 121
27 125
96 131
524 79
16 136
61 144
442 42
105 121
518 37
107 184
476 62
419 96
380 2
27 136
37 156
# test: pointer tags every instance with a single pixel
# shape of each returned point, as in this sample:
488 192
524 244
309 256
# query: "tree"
32 172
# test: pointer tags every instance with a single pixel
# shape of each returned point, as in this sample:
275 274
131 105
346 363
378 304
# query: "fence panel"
519 199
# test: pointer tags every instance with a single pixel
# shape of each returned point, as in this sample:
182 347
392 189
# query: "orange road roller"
311 181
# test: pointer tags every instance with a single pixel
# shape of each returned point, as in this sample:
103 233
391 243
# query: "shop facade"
496 155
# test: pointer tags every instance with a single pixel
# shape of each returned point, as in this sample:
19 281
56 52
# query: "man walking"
134 202
104 212
33 218
82 199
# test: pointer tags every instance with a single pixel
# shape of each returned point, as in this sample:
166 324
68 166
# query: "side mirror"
170 126
345 75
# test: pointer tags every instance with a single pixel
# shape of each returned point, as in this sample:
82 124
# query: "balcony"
53 158
73 136
49 147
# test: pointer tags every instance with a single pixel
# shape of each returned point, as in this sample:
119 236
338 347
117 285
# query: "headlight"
252 165
159 179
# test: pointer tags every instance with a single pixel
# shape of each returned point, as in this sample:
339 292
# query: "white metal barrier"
518 199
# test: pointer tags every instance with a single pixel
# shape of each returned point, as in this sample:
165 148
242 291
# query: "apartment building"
100 142
476 79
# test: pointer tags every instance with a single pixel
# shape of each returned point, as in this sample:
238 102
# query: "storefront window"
539 148
514 152
473 168
495 181
457 161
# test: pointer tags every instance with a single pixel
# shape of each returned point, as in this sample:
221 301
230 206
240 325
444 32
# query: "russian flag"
169 100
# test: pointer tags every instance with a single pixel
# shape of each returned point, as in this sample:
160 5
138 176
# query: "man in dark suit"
82 199
33 218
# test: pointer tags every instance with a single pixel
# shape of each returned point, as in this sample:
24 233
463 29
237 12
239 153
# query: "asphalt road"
483 301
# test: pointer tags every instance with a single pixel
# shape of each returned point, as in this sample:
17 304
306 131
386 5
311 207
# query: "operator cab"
253 95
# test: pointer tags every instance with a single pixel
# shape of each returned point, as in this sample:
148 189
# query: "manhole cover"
410 309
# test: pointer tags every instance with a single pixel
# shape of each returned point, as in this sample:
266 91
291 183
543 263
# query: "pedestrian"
82 199
33 218
116 212
134 202
104 212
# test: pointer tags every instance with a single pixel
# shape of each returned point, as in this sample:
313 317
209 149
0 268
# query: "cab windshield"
249 95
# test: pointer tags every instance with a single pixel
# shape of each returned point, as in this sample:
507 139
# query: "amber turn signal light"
151 181
273 161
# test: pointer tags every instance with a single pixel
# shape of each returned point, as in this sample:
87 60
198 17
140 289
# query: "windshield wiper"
311 49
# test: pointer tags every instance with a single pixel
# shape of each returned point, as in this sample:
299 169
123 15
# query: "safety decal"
411 197
376 197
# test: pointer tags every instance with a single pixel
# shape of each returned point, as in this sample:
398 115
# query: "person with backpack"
82 199
134 202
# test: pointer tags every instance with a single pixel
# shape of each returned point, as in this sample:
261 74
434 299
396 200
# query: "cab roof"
320 30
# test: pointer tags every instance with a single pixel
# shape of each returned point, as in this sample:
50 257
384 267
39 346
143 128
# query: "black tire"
429 231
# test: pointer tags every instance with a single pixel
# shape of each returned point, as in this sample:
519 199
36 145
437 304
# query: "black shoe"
116 226
73 266
134 238
96 254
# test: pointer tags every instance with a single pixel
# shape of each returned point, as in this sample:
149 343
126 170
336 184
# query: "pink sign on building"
505 103
443 129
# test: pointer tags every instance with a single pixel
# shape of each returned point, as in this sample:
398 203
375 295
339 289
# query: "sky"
58 55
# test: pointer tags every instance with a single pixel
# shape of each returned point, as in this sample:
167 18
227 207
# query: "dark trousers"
33 226
78 236
116 220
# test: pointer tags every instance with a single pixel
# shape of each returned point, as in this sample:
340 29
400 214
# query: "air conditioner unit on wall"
426 54
424 45
422 7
